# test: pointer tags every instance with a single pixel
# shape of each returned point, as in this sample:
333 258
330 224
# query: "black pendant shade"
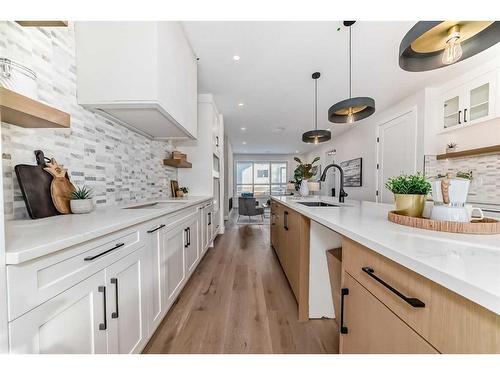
316 136
434 44
353 109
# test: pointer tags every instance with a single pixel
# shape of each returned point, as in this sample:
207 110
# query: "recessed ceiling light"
241 104
244 143
236 58
296 151
279 129
243 128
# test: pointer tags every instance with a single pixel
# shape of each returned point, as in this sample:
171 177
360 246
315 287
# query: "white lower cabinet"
117 308
191 247
127 304
157 279
73 322
174 261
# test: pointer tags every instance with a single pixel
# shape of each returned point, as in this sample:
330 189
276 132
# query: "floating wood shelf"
473 152
177 163
43 23
17 109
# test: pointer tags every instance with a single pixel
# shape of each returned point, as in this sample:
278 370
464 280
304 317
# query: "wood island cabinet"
290 240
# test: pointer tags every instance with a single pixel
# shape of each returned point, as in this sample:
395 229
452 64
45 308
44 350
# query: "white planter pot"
81 206
304 188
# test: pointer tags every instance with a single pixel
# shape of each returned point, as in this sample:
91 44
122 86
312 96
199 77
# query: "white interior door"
397 151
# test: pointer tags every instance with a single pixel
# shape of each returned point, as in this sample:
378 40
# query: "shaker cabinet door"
73 322
127 303
173 261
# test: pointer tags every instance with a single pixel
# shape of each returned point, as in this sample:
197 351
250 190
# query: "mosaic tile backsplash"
485 185
118 164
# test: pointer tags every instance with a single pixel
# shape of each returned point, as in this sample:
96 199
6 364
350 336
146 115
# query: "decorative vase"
81 206
410 204
304 188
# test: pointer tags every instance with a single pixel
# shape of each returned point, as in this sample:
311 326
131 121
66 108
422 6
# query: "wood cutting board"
35 183
61 188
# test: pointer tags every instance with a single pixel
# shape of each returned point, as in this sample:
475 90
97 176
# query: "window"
261 178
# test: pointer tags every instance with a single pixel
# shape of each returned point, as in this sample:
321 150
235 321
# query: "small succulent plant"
82 193
451 145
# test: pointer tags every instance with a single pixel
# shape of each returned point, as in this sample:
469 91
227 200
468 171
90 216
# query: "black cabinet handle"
103 326
186 243
343 292
104 252
216 141
459 113
209 218
285 220
465 115
415 302
115 314
154 230
189 236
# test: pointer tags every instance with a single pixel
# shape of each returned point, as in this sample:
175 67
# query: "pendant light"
353 109
316 136
434 44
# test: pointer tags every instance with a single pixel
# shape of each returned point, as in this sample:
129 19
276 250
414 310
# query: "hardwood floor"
239 301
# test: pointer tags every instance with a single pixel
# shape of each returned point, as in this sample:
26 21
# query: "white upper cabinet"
141 74
469 102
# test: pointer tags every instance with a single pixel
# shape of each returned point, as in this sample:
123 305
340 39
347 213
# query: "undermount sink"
318 204
155 205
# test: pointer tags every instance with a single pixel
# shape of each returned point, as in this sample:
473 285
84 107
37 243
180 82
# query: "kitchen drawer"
374 329
451 323
31 283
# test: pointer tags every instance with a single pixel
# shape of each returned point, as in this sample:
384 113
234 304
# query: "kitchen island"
456 277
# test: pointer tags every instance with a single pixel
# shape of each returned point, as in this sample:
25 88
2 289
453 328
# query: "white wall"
361 141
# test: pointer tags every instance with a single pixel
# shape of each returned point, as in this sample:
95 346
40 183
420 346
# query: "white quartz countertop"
467 264
30 239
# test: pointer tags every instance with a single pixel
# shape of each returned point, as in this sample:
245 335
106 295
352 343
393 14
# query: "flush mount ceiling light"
316 136
236 58
241 104
434 44
353 109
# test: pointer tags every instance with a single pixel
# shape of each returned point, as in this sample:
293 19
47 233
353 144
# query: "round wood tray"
484 226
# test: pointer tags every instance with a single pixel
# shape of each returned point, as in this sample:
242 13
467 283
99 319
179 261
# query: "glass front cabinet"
470 103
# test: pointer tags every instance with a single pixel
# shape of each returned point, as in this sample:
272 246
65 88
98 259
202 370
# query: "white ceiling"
273 76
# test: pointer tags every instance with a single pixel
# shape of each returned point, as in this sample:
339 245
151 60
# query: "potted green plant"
303 172
410 193
81 200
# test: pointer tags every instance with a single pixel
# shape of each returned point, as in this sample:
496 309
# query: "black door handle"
115 314
465 115
104 252
459 113
343 292
415 302
103 326
285 220
154 230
